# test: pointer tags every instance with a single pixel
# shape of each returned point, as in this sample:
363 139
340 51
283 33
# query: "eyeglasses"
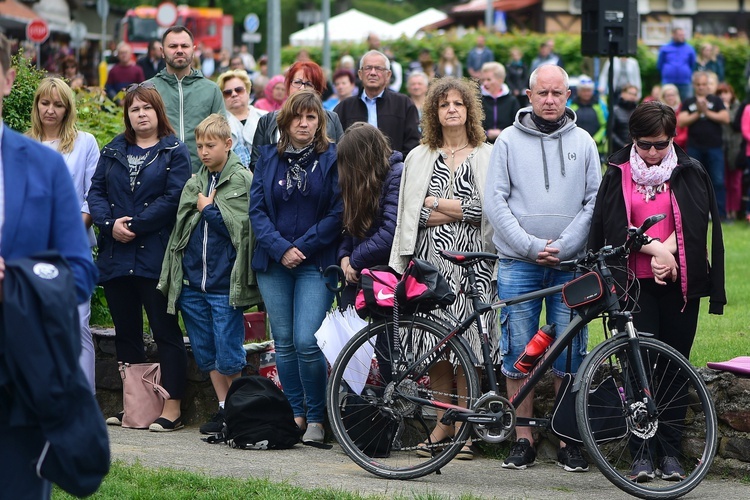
229 92
298 84
144 85
377 69
646 146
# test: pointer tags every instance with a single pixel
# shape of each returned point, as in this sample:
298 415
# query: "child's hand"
204 201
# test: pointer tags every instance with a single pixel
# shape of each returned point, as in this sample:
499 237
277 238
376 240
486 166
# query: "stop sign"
37 30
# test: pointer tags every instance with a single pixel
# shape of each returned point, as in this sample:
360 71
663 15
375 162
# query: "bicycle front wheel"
619 434
384 397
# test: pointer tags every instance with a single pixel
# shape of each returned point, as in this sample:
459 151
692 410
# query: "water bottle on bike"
535 348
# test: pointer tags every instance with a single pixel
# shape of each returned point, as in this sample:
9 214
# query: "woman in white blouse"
242 116
53 122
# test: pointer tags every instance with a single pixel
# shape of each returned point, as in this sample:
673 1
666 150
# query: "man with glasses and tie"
391 112
188 97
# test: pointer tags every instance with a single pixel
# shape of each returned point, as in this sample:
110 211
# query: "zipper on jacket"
204 251
182 117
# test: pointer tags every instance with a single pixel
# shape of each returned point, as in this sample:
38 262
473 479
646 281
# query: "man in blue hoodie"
675 63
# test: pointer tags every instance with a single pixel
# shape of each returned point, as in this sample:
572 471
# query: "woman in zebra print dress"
440 208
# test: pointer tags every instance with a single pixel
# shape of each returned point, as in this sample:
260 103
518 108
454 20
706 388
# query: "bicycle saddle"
466 258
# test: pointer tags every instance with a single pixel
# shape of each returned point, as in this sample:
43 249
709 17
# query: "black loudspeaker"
609 27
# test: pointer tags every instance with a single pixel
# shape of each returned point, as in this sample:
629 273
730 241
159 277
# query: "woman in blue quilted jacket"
369 178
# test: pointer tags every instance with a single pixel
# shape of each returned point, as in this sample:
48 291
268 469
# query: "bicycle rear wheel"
369 389
684 426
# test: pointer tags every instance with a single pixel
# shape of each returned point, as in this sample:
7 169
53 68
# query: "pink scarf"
652 180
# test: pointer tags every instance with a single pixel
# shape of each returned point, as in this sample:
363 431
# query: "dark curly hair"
432 130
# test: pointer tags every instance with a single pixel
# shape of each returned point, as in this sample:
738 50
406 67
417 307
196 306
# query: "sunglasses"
145 85
645 145
229 92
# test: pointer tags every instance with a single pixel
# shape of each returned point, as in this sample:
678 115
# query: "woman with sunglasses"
133 201
300 76
653 176
53 122
243 117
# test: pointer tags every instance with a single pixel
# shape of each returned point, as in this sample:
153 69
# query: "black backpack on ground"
258 416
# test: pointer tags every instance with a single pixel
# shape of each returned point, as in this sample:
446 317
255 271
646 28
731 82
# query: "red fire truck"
209 26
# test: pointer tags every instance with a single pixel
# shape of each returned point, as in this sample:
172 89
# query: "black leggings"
664 313
125 297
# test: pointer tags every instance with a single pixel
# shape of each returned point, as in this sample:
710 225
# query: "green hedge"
735 51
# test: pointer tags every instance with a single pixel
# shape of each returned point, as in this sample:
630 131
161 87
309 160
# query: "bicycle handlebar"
636 239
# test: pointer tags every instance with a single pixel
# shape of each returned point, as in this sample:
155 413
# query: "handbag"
606 412
142 394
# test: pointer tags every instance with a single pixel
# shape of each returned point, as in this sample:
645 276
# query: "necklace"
454 151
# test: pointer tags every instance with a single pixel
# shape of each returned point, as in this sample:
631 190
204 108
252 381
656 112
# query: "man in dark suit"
393 113
39 212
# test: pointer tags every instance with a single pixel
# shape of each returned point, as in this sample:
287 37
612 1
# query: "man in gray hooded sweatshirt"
542 182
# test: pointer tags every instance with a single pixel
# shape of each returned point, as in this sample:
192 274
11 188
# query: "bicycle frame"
608 304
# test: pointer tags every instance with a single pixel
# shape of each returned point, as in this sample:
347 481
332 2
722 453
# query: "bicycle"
382 417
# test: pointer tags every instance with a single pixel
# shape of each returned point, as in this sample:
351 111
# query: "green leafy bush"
17 105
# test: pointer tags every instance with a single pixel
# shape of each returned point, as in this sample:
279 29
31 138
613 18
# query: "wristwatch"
435 204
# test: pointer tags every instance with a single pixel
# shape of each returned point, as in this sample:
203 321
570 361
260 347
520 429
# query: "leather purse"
142 394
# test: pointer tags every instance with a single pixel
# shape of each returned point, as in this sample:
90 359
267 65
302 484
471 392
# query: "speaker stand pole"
610 97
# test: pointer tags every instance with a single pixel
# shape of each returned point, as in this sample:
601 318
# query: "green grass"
721 337
126 481
136 481
727 336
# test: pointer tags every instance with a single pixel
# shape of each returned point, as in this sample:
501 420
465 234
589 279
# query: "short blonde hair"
240 74
215 126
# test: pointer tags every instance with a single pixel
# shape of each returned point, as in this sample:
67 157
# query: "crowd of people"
224 193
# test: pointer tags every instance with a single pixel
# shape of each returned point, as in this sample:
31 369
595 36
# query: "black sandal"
162 424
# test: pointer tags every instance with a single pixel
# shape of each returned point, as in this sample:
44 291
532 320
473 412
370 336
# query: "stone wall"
200 401
731 396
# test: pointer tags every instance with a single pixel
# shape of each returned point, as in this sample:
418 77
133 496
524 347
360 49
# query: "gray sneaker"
315 433
670 469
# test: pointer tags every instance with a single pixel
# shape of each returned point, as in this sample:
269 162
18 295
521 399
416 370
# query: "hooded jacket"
152 205
375 248
188 102
692 202
541 187
675 63
499 112
232 199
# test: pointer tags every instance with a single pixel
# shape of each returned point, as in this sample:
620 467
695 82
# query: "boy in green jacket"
206 269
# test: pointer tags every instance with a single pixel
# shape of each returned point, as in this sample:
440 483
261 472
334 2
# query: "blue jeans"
685 89
521 321
713 161
297 301
216 331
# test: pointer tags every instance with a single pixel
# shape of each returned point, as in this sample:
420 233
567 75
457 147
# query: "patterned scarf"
297 161
546 126
652 180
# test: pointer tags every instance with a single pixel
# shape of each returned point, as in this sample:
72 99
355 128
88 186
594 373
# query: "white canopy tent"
350 26
410 26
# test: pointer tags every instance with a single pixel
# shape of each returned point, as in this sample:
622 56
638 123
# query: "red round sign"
37 30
